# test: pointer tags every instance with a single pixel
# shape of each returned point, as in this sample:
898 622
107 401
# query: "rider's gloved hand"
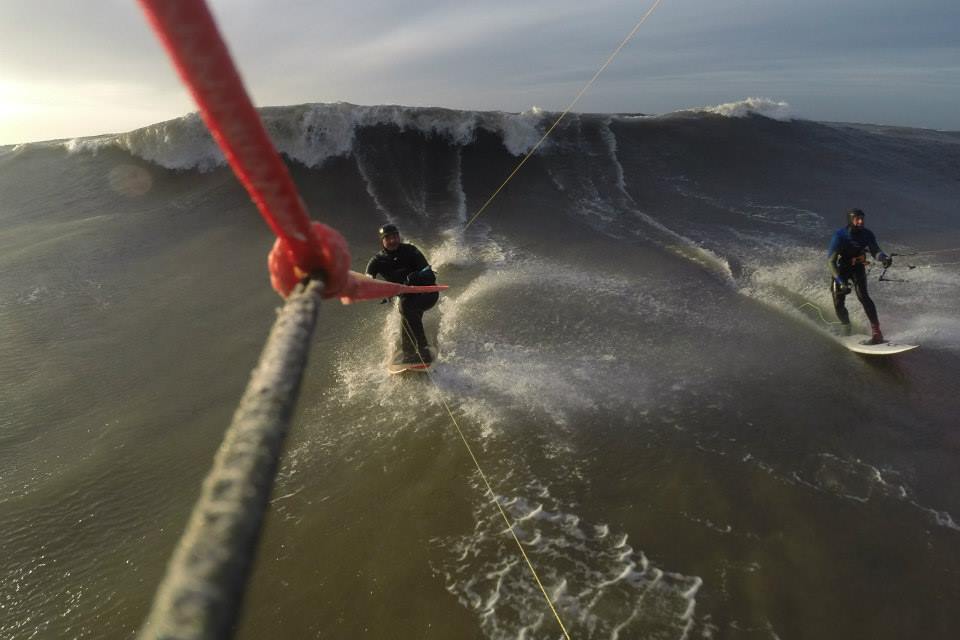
885 260
841 286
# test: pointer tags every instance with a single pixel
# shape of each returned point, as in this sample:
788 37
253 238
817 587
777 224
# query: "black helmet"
388 230
854 213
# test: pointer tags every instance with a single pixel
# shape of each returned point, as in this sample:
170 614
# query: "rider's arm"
877 252
873 247
372 269
417 260
833 253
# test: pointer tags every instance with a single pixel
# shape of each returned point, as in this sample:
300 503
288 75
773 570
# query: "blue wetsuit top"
848 246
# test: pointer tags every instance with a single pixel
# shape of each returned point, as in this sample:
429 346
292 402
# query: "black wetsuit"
402 266
847 260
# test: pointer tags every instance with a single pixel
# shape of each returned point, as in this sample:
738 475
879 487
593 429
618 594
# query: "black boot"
426 353
877 336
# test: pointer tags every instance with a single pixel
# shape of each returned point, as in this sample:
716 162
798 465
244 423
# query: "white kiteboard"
858 344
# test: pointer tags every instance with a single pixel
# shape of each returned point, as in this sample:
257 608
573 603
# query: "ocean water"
635 342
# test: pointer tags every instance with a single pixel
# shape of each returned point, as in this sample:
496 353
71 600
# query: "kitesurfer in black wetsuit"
847 261
403 263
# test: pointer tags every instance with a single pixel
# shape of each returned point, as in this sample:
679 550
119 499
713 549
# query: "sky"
72 68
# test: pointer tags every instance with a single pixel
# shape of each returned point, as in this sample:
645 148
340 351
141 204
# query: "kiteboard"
861 344
414 367
397 365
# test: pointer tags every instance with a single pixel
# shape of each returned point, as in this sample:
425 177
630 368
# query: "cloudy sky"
71 68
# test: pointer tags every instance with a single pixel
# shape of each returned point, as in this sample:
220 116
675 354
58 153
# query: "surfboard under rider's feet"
864 344
402 364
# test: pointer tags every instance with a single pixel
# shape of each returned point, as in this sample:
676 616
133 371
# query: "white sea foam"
615 212
603 587
611 140
496 374
686 248
926 306
311 134
321 131
855 480
500 369
777 110
182 143
852 479
939 329
922 309
766 107
455 250
11 150
636 294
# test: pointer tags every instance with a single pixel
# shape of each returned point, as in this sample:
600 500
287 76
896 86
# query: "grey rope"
201 594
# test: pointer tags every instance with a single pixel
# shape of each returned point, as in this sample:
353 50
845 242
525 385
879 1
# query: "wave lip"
313 133
773 109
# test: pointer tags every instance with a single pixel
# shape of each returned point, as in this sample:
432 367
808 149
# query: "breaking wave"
313 133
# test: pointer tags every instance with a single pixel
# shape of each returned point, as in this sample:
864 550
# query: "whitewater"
636 340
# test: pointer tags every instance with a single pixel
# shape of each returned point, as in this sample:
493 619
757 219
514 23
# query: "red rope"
191 37
193 41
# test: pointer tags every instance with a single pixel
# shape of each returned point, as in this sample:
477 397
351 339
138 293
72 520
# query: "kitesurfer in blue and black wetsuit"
847 261
403 263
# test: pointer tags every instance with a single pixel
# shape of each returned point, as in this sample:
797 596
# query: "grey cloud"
823 54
